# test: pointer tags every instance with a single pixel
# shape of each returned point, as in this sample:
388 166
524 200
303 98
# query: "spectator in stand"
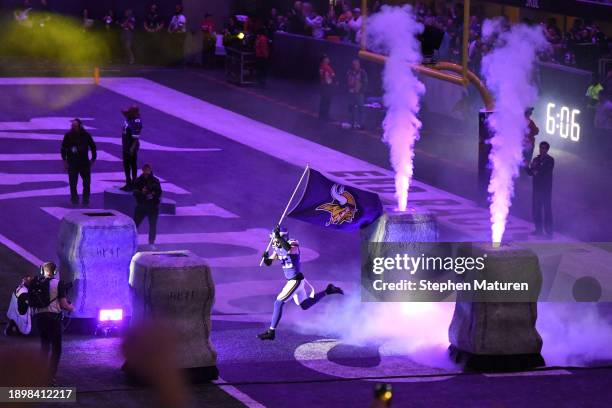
330 25
327 78
343 22
282 23
153 23
296 19
109 19
178 22
355 25
209 40
176 43
153 26
87 21
313 21
475 54
44 13
208 24
127 35
22 15
272 21
111 34
262 55
553 35
357 83
420 10
233 27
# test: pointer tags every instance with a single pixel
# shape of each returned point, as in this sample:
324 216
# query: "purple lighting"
110 315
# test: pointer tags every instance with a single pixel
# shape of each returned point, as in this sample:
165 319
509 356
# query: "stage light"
109 322
241 36
110 315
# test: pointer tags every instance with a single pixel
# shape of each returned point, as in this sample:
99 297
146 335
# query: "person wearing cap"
130 141
75 150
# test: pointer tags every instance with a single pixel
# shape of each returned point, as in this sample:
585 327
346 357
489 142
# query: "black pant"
130 167
325 104
262 70
50 328
150 211
73 177
356 101
542 204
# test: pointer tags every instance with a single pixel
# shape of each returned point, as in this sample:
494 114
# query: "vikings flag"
334 205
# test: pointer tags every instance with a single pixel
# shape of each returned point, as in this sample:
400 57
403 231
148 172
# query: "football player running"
287 252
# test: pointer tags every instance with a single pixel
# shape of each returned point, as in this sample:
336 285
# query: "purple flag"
336 206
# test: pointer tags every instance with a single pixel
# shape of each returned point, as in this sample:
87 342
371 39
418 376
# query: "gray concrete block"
496 327
176 286
406 227
409 232
95 249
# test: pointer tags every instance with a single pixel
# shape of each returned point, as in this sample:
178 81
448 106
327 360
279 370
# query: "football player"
287 252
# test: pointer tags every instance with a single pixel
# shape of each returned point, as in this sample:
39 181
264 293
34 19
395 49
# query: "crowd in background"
582 45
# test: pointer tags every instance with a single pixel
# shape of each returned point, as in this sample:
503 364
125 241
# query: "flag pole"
287 208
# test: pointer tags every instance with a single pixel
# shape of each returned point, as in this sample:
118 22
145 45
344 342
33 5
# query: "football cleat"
267 335
331 289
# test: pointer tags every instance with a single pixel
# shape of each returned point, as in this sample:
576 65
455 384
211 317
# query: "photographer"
47 298
147 191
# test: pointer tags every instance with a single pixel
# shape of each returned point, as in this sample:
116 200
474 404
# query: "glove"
265 255
277 231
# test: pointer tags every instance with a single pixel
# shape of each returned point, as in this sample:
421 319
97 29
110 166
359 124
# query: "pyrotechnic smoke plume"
417 329
393 31
508 74
574 334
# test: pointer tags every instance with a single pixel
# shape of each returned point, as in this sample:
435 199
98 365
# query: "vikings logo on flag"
342 208
333 205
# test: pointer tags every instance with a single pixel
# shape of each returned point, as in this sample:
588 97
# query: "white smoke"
507 70
393 31
574 334
416 329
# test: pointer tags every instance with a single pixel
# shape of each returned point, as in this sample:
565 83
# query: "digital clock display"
563 121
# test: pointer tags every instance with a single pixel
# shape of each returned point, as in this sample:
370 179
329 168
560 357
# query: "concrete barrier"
95 249
177 287
493 334
409 232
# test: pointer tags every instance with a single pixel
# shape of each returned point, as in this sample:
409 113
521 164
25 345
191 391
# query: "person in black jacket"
75 153
541 169
147 191
130 141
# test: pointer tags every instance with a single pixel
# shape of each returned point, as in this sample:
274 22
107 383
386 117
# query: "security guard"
75 154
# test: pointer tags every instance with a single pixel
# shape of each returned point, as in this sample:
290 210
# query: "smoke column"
507 71
393 31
